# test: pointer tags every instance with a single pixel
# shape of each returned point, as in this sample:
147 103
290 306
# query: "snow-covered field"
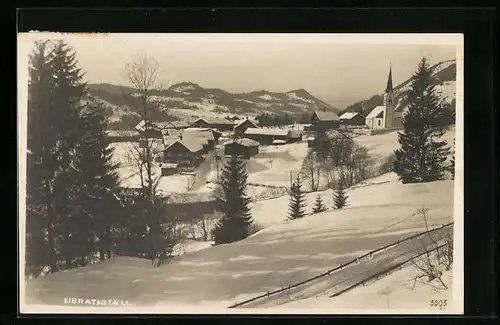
381 146
395 293
284 253
273 164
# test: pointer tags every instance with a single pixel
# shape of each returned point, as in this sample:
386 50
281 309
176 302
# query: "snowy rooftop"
375 112
201 133
266 131
215 120
239 122
326 116
193 144
348 115
244 142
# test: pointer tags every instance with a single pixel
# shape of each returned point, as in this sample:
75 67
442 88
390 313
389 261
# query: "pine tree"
422 154
319 206
67 95
233 203
339 197
41 164
96 179
297 200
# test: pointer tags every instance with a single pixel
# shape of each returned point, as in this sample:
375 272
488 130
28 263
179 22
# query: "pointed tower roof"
389 89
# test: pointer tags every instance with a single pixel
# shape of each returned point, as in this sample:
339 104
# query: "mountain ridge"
444 77
188 100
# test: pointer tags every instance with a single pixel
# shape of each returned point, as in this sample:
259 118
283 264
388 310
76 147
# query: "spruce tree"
339 197
96 179
67 95
41 164
319 206
422 153
297 200
233 203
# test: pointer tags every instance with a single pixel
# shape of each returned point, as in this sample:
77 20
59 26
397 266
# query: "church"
385 116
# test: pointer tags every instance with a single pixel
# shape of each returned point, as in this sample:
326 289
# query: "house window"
389 101
378 122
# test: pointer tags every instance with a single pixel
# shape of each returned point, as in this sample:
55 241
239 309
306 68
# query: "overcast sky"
339 69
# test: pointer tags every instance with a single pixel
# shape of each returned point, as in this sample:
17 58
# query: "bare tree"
311 169
142 75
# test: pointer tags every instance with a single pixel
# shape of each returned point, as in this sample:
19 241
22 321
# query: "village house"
207 135
352 118
185 152
176 125
220 124
266 136
385 116
153 131
242 147
324 121
242 125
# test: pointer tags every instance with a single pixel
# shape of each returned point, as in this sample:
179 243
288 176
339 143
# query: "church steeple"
389 89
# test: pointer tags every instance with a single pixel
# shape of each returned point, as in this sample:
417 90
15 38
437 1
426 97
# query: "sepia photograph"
185 173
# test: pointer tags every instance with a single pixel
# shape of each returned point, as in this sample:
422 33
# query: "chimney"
180 137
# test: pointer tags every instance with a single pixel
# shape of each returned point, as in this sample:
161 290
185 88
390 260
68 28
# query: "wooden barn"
243 125
352 118
243 147
185 152
265 136
220 124
324 121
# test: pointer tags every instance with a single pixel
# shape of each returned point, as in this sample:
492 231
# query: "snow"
183 88
268 97
447 91
285 252
443 65
276 163
391 294
381 146
293 95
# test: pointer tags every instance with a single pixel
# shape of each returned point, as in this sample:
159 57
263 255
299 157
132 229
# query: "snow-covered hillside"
444 75
281 254
189 100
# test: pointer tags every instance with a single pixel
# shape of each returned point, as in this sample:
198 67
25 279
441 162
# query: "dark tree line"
76 211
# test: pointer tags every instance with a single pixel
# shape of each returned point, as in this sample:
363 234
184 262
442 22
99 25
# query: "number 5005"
441 303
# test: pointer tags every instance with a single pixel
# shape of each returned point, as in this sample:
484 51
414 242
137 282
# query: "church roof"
375 112
389 88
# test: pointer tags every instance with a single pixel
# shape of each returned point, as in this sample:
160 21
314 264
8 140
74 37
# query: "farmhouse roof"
215 120
122 133
326 116
348 115
265 131
191 143
375 112
240 122
244 142
201 133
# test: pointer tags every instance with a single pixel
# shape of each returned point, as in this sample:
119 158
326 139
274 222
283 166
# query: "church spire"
389 89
